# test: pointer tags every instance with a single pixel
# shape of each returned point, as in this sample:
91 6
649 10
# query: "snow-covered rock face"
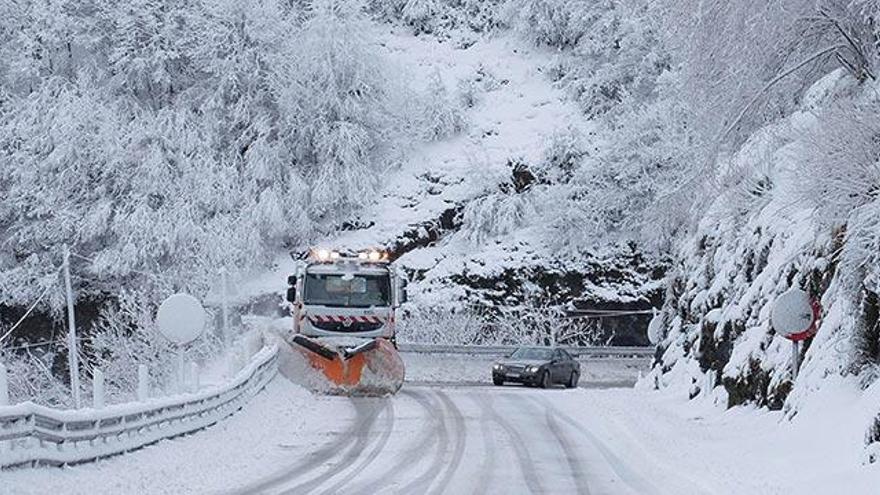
772 230
470 218
482 216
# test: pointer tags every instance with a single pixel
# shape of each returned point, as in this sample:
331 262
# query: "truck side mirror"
291 289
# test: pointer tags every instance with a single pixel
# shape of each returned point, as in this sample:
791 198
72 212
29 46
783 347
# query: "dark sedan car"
537 366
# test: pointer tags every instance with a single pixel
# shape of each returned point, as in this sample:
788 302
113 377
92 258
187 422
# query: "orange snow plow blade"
370 368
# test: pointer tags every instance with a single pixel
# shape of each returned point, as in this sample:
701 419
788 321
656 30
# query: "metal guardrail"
38 435
502 350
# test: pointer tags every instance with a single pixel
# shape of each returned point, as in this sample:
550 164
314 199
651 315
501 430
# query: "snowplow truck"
344 312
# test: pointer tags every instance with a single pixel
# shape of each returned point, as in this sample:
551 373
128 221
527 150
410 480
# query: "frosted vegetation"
537 321
179 137
741 138
165 140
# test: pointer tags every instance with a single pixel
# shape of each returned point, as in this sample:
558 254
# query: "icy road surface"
474 439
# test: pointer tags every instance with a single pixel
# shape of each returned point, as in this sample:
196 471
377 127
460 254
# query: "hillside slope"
769 231
463 215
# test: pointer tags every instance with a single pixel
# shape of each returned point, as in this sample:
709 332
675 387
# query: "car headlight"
498 367
534 369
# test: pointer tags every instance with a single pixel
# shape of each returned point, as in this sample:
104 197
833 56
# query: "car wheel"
545 379
497 381
572 380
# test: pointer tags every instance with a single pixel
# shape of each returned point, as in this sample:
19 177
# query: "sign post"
98 389
795 316
181 319
72 352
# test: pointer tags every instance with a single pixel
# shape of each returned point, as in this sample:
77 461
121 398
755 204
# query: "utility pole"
72 355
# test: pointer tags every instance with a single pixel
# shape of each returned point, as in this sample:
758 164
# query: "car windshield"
359 291
530 353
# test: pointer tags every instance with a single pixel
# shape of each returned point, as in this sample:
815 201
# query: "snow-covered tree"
557 23
175 138
344 111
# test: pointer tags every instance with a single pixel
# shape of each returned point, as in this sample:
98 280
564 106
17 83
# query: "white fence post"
193 377
98 389
72 354
143 390
180 373
4 387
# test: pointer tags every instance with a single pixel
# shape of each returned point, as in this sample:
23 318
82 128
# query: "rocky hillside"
774 228
467 217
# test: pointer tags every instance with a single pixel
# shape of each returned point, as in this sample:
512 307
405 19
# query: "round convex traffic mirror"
181 318
792 313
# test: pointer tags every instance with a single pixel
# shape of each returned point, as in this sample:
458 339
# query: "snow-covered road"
438 436
474 439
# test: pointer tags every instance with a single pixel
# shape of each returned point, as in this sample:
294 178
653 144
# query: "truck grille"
346 326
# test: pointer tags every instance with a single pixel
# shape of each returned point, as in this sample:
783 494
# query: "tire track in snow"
352 452
520 449
487 467
363 418
636 482
571 456
459 440
446 439
404 462
421 483
368 458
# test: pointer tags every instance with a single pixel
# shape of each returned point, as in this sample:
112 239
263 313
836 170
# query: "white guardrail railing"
31 434
502 350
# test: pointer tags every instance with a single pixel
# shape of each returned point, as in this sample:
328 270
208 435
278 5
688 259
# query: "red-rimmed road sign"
795 315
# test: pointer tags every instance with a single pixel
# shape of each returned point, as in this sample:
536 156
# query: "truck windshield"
358 291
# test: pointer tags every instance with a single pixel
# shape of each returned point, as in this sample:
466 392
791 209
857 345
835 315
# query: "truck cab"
346 295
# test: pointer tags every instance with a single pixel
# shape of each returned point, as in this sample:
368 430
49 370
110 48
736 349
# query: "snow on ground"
742 450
